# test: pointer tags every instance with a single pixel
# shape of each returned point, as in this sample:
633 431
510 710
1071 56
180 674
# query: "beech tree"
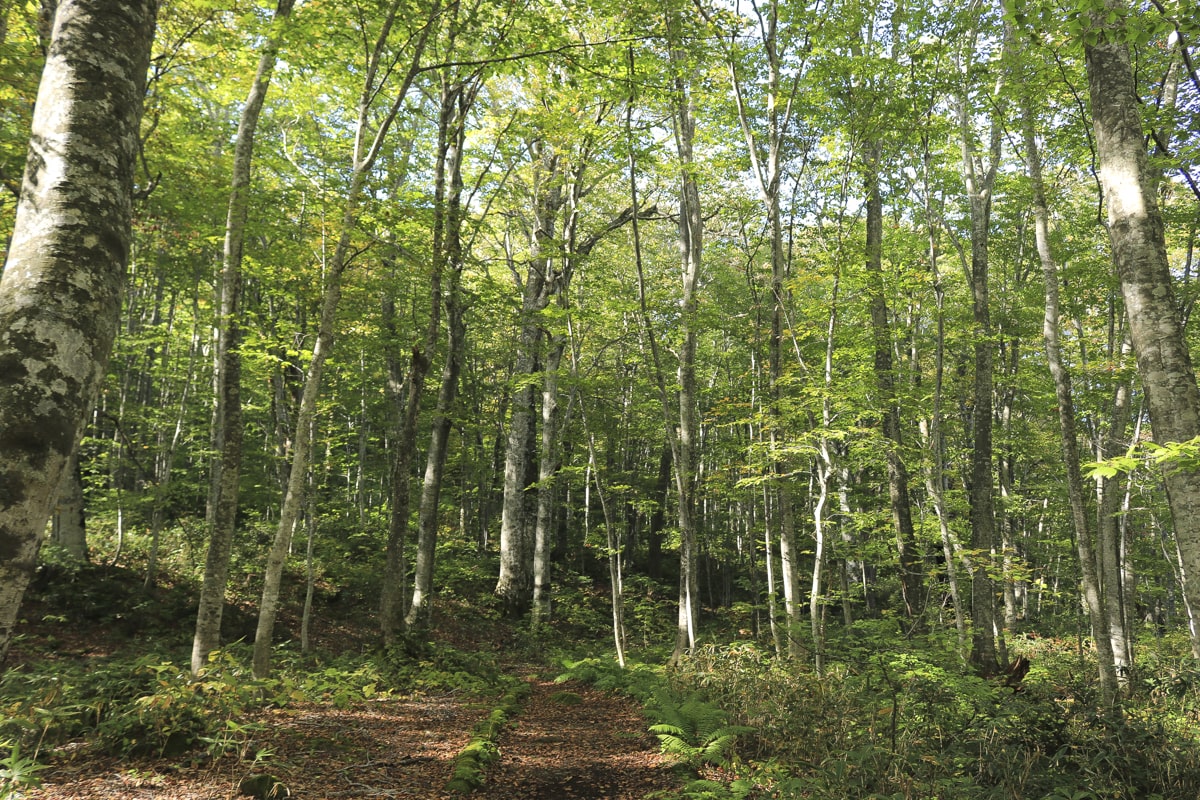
368 141
227 429
61 288
1064 392
1135 227
979 180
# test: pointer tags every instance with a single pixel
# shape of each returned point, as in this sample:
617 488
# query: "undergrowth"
419 664
902 722
696 733
151 705
124 706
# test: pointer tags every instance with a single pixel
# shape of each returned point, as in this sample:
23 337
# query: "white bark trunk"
1135 228
61 288
227 415
366 151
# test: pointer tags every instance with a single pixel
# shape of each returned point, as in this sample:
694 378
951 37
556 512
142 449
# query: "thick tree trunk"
427 518
69 526
978 182
548 463
404 393
61 288
691 243
1139 252
515 583
227 431
514 586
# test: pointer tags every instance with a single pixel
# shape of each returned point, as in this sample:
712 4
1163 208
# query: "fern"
694 731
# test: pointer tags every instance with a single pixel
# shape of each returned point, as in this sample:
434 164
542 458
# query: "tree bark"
227 430
691 245
407 400
548 464
1135 229
61 288
1066 417
979 182
366 152
515 583
912 577
427 517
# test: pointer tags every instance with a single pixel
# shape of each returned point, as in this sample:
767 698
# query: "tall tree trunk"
978 182
227 430
1135 229
691 244
515 583
61 288
1066 416
779 512
548 463
427 517
366 151
406 395
680 432
457 99
912 577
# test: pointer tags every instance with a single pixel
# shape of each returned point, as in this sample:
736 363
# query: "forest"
802 389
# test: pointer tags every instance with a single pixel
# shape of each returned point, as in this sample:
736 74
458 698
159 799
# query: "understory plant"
695 732
18 771
905 720
152 705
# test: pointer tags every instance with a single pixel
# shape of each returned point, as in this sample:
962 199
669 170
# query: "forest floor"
567 740
594 746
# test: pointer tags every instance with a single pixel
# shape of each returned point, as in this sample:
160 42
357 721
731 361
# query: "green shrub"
416 664
148 705
895 718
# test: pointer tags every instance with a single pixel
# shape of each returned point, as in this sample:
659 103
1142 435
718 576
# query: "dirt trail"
572 741
568 742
